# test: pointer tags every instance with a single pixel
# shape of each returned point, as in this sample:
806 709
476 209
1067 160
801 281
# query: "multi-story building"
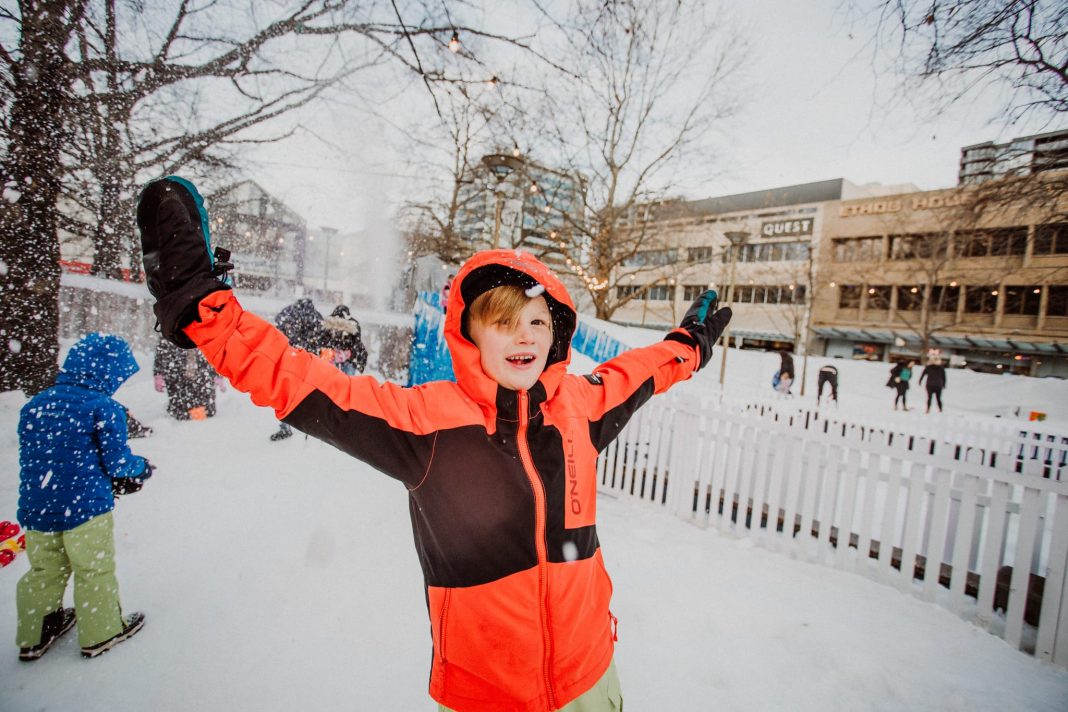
754 248
984 284
1022 156
538 208
267 238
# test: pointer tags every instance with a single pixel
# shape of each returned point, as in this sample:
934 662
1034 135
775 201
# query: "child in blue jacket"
74 460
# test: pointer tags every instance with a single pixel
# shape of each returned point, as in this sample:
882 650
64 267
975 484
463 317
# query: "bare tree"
965 45
99 94
471 114
654 78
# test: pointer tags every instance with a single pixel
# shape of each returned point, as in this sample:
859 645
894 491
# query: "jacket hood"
101 362
496 268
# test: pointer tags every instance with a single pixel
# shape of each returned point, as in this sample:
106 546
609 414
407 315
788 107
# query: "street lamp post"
501 166
737 239
329 232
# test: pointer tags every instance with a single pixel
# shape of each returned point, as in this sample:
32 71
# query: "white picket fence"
986 542
1010 445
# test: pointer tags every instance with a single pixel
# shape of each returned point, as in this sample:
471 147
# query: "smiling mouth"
520 359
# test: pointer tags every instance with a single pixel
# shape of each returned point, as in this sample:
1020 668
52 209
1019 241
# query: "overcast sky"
816 109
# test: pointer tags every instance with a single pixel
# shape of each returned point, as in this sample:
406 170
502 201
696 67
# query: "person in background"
342 341
828 376
900 375
302 324
786 365
935 375
187 378
73 461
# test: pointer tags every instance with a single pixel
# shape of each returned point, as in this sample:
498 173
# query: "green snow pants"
88 551
605 696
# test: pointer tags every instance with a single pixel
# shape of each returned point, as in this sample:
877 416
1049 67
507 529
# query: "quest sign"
786 228
917 202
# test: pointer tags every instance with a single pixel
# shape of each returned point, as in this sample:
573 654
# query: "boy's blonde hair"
500 305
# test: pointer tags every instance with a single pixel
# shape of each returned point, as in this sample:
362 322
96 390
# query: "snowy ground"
281 576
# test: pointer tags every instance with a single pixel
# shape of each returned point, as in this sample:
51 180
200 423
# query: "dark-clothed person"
828 376
341 336
187 378
934 374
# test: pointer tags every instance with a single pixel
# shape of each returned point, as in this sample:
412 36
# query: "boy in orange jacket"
499 466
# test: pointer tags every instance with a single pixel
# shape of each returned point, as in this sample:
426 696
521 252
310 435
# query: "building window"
759 294
980 300
944 299
849 296
743 295
690 292
858 249
917 246
1022 300
652 258
628 290
771 295
991 243
1058 301
1008 241
799 294
909 298
879 297
1051 239
661 293
700 254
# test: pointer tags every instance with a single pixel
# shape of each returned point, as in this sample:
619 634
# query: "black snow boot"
55 624
133 623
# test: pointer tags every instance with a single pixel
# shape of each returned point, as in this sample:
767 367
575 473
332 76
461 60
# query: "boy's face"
514 355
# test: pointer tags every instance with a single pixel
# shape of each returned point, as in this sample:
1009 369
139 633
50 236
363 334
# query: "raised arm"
617 388
385 425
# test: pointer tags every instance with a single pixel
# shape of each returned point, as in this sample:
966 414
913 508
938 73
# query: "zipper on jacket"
539 542
441 624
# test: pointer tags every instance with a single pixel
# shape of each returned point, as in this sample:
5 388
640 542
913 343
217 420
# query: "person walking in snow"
187 378
935 375
500 466
302 324
828 376
342 338
900 375
73 461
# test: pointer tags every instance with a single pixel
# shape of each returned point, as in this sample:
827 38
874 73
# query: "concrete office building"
690 251
984 285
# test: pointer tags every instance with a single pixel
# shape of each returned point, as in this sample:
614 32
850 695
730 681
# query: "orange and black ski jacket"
502 484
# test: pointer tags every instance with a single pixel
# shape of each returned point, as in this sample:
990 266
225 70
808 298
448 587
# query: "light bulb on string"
454 43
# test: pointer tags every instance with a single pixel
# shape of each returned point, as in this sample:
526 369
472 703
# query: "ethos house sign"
786 228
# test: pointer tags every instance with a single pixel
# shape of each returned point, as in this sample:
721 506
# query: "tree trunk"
29 242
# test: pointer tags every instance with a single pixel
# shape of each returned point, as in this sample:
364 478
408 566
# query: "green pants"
605 696
88 551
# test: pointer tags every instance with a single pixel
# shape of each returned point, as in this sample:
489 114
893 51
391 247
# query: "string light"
493 82
454 43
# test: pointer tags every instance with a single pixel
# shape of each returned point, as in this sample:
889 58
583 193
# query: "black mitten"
129 485
702 325
179 265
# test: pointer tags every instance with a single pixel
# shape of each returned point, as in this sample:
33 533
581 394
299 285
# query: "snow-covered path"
281 576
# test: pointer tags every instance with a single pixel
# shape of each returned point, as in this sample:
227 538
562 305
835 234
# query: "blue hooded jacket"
72 438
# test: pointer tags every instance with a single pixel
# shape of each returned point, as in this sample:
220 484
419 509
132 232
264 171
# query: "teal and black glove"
702 326
180 267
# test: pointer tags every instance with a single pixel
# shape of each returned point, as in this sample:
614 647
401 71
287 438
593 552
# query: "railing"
996 443
989 544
